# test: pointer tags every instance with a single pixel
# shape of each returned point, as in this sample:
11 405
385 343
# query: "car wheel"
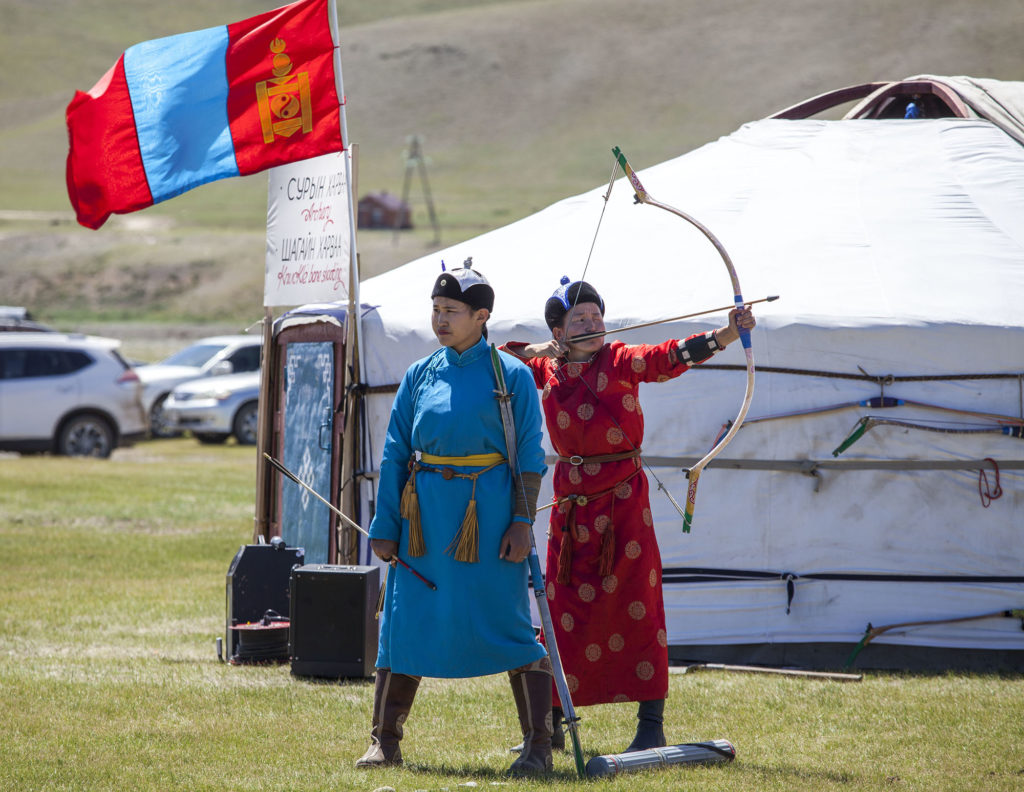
159 426
86 435
246 423
211 438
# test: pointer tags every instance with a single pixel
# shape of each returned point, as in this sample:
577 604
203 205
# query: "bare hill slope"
518 104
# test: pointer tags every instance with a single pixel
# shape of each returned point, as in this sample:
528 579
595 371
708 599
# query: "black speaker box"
333 626
257 581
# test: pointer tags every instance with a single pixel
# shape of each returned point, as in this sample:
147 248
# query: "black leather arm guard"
526 496
698 348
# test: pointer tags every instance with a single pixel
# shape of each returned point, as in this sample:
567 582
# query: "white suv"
70 394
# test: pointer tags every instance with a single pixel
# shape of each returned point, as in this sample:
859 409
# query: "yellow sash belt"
472 460
465 544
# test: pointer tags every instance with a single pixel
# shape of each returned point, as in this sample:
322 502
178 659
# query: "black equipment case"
333 620
257 581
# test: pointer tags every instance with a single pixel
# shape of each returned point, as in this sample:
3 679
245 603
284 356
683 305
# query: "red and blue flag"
181 111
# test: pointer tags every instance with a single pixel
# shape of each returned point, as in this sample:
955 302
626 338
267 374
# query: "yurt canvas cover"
897 249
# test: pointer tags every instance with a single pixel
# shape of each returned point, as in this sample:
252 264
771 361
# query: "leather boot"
531 690
557 732
392 699
649 729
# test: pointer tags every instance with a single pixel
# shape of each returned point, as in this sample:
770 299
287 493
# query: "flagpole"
354 336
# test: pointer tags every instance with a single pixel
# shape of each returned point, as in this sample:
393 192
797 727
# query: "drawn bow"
693 473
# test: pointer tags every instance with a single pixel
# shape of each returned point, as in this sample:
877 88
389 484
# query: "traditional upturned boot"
649 730
392 699
531 689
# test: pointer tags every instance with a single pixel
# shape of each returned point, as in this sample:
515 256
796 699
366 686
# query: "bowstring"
593 243
600 219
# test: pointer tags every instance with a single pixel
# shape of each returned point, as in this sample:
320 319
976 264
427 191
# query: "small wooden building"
383 210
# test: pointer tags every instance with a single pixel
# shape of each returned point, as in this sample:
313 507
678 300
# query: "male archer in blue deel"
447 497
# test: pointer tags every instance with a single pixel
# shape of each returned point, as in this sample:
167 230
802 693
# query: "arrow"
748 303
341 515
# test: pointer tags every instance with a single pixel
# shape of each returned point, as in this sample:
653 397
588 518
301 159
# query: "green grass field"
112 585
113 572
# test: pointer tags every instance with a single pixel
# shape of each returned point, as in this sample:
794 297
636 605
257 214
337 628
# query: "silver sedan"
215 408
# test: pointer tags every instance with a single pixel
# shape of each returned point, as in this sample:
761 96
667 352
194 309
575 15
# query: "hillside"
518 105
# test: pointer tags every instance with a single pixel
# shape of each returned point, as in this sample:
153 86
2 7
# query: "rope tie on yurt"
989 494
880 381
790 591
681 575
891 379
801 372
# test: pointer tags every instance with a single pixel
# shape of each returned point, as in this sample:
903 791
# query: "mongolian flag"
185 110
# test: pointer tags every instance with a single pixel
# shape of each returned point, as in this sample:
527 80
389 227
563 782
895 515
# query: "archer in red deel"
603 563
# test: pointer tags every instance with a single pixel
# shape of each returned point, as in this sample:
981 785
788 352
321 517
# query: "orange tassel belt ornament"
607 558
465 544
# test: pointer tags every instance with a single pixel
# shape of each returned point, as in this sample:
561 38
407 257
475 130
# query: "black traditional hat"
465 285
565 297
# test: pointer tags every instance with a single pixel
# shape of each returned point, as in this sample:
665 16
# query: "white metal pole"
353 255
354 345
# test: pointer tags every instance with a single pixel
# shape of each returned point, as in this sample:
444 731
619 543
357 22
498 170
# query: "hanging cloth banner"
308 232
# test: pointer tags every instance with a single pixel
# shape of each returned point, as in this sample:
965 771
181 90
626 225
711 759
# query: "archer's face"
581 319
455 324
